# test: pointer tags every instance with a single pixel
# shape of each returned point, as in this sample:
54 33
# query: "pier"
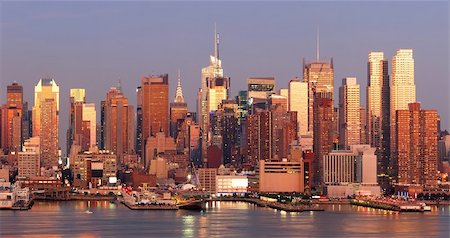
273 205
390 206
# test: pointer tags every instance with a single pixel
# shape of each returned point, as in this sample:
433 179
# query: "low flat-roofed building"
280 176
231 184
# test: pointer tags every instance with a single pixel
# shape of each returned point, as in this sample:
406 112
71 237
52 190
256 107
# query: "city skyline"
251 110
349 62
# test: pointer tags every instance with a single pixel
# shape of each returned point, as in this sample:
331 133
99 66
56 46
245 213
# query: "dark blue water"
221 219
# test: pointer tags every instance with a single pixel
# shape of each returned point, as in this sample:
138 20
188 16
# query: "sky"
93 45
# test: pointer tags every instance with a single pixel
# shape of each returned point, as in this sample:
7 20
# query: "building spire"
179 93
216 43
318 44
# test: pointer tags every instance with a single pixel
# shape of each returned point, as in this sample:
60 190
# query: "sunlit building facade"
349 113
402 91
320 78
298 101
415 158
46 120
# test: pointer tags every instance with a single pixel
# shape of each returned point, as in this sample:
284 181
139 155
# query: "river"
220 219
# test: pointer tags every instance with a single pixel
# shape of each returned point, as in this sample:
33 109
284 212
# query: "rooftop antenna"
119 85
216 44
318 44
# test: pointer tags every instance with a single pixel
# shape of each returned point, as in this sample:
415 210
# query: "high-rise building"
323 131
378 108
214 89
118 123
178 109
225 131
415 146
12 114
402 90
77 98
259 137
154 93
89 127
260 87
363 122
46 120
320 78
139 122
349 113
298 101
28 163
83 122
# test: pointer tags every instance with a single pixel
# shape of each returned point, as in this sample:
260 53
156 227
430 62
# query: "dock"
273 205
384 205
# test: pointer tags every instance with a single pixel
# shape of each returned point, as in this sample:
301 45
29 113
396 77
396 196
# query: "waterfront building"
351 172
231 184
402 92
46 120
415 158
280 176
207 179
94 168
349 113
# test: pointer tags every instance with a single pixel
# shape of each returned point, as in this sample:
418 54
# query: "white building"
231 184
351 171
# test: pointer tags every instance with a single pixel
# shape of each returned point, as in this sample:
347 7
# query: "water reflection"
231 219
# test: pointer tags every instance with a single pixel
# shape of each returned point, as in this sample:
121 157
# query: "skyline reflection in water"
221 219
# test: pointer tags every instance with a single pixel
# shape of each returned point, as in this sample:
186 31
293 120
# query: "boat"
425 207
88 212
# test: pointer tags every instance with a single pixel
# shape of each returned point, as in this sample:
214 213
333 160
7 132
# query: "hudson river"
221 219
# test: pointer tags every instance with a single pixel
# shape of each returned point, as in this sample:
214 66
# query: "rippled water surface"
221 219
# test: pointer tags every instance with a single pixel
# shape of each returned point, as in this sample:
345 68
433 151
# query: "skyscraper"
402 88
118 119
46 120
178 109
320 78
323 131
415 151
83 122
212 76
378 108
77 98
155 107
349 113
11 123
298 101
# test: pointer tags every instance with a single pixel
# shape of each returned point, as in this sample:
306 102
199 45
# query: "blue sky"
94 44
